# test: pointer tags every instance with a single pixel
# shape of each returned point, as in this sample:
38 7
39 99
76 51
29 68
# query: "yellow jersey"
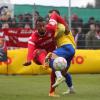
62 38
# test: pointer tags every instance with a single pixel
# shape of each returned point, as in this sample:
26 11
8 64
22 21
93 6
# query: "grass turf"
37 87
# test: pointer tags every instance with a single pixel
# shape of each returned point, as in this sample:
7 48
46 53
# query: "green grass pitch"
36 87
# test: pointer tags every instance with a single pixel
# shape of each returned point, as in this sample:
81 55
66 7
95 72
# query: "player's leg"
69 55
60 78
69 84
40 57
66 51
52 81
52 89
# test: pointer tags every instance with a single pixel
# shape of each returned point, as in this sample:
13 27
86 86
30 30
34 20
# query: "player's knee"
54 56
51 64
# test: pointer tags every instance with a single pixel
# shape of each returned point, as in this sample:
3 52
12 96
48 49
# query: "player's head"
40 26
53 10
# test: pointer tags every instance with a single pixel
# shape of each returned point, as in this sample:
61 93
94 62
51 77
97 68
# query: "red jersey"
46 42
55 18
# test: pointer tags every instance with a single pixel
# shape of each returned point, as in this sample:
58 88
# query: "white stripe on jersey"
30 42
52 22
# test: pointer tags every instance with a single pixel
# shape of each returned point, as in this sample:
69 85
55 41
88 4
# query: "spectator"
27 19
13 23
20 21
27 26
5 13
74 20
5 25
35 17
87 25
97 37
90 37
74 32
80 38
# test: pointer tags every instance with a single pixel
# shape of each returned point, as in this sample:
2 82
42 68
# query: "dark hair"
91 18
40 19
55 11
37 13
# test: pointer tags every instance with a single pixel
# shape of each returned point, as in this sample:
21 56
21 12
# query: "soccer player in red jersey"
40 43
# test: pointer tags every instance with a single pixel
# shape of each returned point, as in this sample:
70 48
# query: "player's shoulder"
34 34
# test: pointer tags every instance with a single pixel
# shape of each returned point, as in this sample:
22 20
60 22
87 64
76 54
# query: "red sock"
52 81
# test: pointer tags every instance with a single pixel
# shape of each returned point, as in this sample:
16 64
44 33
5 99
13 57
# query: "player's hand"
48 57
27 64
46 64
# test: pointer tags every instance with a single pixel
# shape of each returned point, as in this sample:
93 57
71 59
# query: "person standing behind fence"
93 37
35 17
3 48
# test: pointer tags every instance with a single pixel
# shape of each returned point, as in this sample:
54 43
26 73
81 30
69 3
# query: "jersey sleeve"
50 27
55 19
59 22
31 48
60 30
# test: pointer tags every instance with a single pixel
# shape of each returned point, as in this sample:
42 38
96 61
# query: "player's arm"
52 23
31 48
55 18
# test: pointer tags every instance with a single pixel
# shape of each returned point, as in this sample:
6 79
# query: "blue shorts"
66 51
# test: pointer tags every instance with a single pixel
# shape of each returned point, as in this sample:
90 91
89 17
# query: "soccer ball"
60 63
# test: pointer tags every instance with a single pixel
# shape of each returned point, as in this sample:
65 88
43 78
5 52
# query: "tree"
90 5
97 3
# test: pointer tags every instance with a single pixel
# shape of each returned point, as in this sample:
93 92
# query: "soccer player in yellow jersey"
65 48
